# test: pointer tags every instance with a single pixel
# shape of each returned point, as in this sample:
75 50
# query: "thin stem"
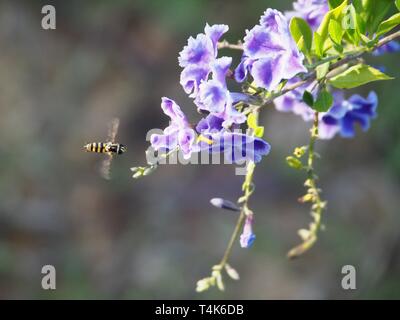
248 184
234 236
226 45
313 195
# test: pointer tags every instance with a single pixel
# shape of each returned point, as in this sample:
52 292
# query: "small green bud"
224 204
149 170
137 174
203 285
304 234
294 163
300 151
232 272
218 278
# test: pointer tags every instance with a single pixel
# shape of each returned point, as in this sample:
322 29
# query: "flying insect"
110 148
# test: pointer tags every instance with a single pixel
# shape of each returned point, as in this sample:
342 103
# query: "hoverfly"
110 148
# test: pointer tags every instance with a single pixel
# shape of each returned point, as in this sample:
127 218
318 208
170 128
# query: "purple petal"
293 64
390 47
328 127
260 43
191 77
313 11
267 73
365 106
239 147
199 50
164 142
214 33
243 68
186 140
348 124
274 21
172 110
210 124
213 96
220 68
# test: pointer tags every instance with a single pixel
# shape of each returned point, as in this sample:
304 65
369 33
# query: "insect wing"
106 166
113 129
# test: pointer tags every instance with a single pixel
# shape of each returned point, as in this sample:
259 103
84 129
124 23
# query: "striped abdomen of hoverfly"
108 147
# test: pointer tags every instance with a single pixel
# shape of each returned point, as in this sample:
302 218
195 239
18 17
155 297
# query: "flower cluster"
204 79
270 53
272 69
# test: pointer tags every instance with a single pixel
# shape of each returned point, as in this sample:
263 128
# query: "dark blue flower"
236 146
247 237
390 47
355 110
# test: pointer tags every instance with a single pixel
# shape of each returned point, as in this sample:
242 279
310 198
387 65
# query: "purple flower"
215 97
340 118
345 115
237 147
293 101
390 47
247 237
197 56
312 11
177 134
269 52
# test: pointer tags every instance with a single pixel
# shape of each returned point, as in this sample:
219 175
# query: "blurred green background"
154 238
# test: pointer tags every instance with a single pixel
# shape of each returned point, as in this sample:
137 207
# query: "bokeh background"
154 238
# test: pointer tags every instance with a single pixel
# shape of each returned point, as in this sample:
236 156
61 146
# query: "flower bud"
224 204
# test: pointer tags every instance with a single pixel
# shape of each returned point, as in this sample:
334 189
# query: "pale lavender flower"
215 97
270 53
197 56
312 11
293 101
177 134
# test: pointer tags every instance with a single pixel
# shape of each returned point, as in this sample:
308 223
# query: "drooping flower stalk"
245 216
309 236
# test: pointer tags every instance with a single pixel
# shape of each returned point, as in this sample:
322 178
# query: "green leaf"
318 44
323 102
372 12
336 31
322 70
353 24
252 121
299 28
356 76
398 4
259 132
334 3
323 29
388 24
308 98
